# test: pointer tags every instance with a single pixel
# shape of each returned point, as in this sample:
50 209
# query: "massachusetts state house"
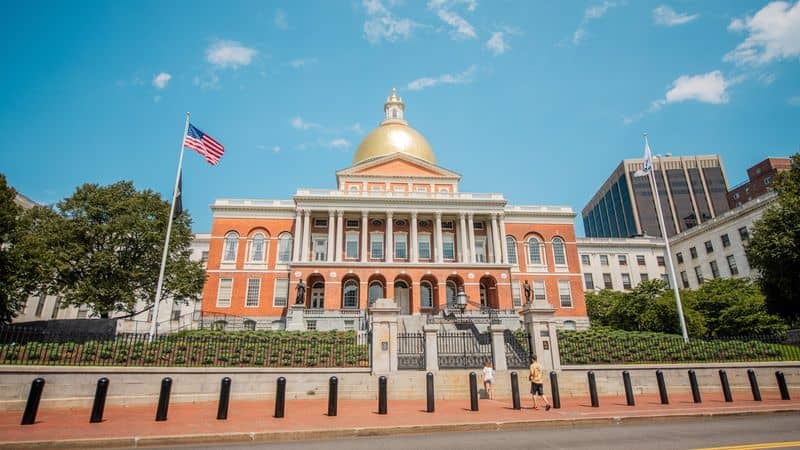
395 226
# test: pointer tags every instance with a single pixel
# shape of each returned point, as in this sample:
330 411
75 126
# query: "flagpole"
164 254
668 256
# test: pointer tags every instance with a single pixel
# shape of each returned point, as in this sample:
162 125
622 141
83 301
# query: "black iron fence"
518 352
203 349
411 351
463 350
619 347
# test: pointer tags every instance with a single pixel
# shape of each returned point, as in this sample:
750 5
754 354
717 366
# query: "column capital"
470 215
389 214
340 212
438 214
299 211
462 214
364 214
331 212
494 215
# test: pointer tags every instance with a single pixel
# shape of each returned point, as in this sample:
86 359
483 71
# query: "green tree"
101 247
10 302
774 248
600 304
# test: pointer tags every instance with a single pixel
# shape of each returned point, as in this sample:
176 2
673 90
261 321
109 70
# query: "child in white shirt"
488 379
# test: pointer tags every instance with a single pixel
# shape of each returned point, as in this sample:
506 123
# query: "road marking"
756 446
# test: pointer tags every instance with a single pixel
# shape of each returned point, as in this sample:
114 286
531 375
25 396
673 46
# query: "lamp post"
461 300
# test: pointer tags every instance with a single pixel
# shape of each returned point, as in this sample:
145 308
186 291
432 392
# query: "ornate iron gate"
411 351
464 350
518 352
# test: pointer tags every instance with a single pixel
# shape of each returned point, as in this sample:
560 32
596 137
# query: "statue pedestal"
539 323
383 318
294 318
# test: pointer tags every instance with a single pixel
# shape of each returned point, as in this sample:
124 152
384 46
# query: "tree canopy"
10 304
774 248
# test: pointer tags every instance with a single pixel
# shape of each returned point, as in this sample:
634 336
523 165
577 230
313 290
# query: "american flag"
204 144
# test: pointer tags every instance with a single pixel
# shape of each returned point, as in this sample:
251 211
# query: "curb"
283 436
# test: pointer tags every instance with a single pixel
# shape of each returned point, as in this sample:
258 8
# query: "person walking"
537 386
488 379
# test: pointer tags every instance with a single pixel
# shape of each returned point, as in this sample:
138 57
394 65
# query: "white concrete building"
715 249
620 263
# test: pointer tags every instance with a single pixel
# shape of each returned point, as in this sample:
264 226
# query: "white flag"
647 165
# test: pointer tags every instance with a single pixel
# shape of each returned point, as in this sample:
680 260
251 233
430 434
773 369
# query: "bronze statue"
527 293
301 293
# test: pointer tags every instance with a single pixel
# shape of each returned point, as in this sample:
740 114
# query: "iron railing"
463 350
411 351
518 352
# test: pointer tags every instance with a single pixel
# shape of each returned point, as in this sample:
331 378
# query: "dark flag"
178 203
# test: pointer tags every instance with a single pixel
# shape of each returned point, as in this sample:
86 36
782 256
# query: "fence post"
751 375
163 399
515 391
473 391
280 398
431 346
382 395
32 406
333 394
662 387
224 399
498 346
99 401
593 390
429 392
554 390
726 388
695 389
626 380
782 385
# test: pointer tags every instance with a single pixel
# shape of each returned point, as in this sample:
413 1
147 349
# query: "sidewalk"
307 419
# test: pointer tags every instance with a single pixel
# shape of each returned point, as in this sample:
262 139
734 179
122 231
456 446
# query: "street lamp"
461 299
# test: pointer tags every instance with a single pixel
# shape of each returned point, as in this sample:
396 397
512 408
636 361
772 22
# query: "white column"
438 233
503 244
296 239
389 238
489 242
306 232
471 243
331 240
496 239
339 234
364 235
413 248
463 254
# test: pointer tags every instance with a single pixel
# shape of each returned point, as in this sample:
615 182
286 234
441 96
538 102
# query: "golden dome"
394 136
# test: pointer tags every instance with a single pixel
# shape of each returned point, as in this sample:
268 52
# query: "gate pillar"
383 318
498 347
539 323
431 348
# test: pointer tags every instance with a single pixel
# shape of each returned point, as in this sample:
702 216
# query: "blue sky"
537 100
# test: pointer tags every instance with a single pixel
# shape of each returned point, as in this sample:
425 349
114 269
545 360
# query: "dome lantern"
394 109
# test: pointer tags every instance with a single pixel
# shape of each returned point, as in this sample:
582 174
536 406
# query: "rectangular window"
224 292
400 246
623 260
424 245
420 189
726 241
684 279
204 257
350 324
253 292
744 235
585 260
83 312
698 273
176 310
626 281
351 223
320 223
665 279
320 249
280 297
588 281
693 252
516 299
660 261
644 277
480 250
447 225
376 245
56 307
732 265
640 260
565 294
603 260
351 246
284 249
679 257
607 284
311 325
714 269
709 246
478 225
40 305
448 247
538 290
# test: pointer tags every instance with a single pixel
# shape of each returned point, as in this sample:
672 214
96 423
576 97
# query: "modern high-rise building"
759 180
692 189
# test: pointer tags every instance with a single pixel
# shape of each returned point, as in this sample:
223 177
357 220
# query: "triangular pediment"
399 165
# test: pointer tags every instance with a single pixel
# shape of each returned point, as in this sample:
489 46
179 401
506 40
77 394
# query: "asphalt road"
772 430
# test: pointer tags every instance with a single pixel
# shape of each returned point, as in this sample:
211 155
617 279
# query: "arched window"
350 294
559 255
426 295
511 249
257 244
451 294
375 291
570 325
220 325
249 324
284 248
231 244
534 251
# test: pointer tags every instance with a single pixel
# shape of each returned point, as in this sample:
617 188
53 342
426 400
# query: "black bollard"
224 399
163 399
695 387
726 388
280 398
333 396
778 376
662 387
626 380
382 395
593 390
32 406
473 391
99 401
515 391
751 375
429 391
554 390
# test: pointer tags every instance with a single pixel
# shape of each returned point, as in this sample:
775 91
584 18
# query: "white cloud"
591 13
668 17
709 87
497 43
794 101
207 82
276 149
300 63
299 123
461 28
356 128
231 54
339 143
281 19
464 77
160 81
773 33
383 25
